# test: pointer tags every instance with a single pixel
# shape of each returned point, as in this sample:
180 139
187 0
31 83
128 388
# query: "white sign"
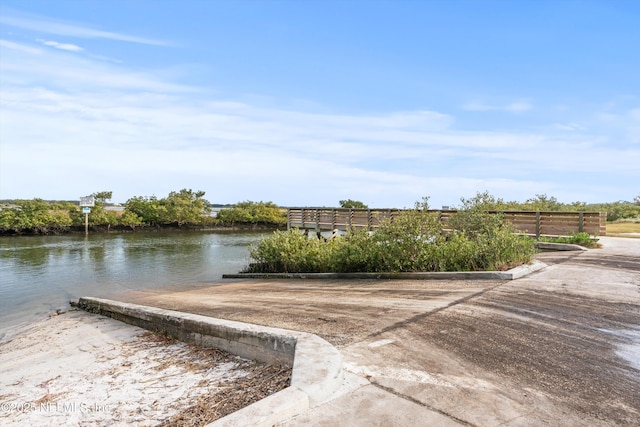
87 201
86 210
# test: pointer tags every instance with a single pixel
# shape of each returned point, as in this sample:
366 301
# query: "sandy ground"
79 369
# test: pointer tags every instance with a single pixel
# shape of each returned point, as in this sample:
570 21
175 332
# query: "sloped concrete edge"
523 270
271 410
317 369
549 246
514 273
316 364
267 345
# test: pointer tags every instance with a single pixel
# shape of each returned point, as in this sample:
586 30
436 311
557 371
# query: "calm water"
41 274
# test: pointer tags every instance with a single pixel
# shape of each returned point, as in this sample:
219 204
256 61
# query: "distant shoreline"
117 229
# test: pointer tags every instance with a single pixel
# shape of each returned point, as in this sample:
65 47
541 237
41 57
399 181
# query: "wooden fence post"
538 226
580 222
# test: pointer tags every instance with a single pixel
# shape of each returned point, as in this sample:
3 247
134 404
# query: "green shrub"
541 202
253 213
181 207
289 252
352 253
37 215
352 204
582 239
399 244
621 210
411 242
130 219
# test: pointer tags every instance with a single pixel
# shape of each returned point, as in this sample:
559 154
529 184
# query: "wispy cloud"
49 26
137 131
389 159
19 46
569 127
518 106
51 67
513 107
61 46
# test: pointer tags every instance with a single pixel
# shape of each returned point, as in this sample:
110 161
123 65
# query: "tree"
637 200
36 215
130 219
621 210
253 213
577 206
99 215
483 201
182 207
102 196
186 207
148 209
352 204
473 217
543 203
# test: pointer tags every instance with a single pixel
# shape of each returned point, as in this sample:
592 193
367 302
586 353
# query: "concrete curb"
316 364
514 273
523 270
548 246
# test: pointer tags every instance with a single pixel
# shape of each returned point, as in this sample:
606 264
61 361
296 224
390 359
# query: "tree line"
619 210
189 208
541 202
179 209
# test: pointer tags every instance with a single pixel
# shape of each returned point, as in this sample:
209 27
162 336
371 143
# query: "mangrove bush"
253 213
414 241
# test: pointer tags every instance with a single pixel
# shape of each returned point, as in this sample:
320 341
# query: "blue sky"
305 103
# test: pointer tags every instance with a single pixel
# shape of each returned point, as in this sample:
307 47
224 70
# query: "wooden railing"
547 223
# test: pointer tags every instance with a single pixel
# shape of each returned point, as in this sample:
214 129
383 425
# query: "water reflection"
39 274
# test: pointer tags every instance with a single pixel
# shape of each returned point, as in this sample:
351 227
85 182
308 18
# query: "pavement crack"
521 416
418 402
424 315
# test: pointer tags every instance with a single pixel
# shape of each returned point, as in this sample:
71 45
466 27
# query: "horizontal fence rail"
533 223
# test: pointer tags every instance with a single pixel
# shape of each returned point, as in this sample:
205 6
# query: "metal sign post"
86 203
86 212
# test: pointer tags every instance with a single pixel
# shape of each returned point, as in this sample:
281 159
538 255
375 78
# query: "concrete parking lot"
558 347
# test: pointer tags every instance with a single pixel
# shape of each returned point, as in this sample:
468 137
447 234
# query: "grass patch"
618 228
